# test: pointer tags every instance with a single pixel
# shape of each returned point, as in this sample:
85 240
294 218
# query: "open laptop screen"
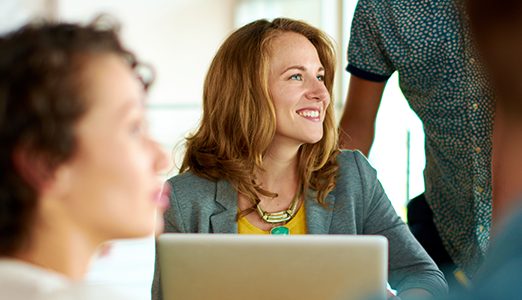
229 266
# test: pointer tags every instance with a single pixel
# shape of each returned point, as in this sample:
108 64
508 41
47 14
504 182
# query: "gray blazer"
361 206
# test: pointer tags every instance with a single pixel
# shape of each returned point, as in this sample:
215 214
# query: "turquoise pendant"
280 230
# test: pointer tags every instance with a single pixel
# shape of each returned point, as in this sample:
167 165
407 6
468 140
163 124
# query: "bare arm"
506 163
357 126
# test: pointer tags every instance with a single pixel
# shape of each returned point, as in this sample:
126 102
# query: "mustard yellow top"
297 225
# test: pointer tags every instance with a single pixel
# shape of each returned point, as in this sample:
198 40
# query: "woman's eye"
296 77
320 77
137 128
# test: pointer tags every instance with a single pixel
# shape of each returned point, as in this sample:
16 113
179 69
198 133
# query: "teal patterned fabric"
441 75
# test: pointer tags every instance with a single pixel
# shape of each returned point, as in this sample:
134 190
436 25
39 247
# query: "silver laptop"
232 266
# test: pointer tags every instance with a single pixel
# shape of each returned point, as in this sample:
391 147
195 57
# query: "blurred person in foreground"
265 157
77 165
497 25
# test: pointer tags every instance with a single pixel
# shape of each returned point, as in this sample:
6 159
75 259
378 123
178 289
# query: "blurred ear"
36 170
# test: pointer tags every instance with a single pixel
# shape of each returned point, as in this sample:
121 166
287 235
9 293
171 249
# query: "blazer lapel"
225 220
318 218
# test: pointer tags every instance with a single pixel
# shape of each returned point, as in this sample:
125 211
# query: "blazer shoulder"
351 157
187 178
354 164
190 184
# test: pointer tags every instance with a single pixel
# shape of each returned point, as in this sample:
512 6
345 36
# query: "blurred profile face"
297 88
114 189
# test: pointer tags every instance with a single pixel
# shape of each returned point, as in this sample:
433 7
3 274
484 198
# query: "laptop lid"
232 266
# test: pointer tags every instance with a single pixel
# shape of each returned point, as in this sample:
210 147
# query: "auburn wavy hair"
239 121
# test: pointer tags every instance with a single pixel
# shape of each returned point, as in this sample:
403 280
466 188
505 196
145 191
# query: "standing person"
265 157
77 165
431 46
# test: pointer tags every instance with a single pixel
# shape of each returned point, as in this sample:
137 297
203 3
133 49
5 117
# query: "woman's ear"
37 171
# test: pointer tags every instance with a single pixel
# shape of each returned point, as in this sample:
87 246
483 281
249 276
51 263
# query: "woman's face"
114 188
296 85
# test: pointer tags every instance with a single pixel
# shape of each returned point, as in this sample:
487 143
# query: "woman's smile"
311 113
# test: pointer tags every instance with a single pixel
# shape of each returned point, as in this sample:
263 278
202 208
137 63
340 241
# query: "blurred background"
179 38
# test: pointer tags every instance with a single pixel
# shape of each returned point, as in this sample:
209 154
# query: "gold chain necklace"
281 216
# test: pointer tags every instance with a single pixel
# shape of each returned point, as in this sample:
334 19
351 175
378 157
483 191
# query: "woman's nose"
161 159
318 91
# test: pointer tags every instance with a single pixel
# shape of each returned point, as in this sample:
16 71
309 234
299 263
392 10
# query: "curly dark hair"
41 99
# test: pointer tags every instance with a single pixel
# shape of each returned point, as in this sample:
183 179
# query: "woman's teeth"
309 113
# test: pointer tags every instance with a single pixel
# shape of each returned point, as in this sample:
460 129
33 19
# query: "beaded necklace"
282 216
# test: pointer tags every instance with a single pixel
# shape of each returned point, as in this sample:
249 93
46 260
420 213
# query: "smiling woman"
77 165
265 157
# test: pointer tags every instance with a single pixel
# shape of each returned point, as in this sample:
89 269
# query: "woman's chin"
315 139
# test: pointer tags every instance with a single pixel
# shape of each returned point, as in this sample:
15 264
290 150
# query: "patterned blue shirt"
430 44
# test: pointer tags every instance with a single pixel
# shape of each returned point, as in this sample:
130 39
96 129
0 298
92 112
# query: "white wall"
179 39
15 13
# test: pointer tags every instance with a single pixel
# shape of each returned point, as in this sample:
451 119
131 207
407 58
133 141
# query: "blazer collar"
225 220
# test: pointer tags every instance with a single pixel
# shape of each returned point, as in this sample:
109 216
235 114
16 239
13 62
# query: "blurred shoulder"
20 280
